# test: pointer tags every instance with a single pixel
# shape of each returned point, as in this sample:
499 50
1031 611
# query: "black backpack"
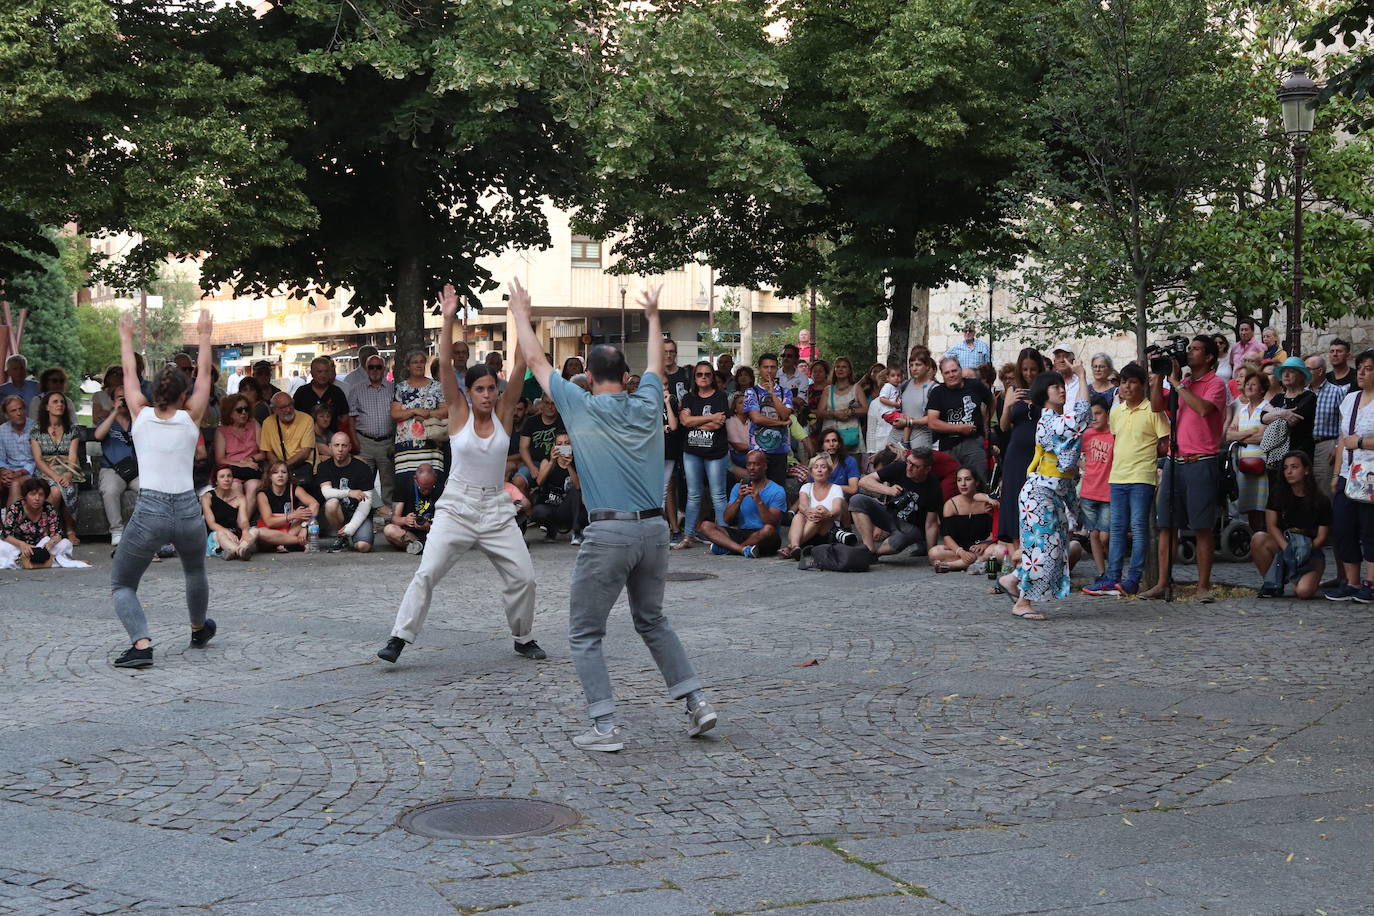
837 558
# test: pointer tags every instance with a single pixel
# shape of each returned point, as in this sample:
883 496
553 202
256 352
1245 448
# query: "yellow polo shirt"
298 435
1138 431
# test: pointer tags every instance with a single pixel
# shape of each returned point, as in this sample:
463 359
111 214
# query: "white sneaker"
597 740
703 719
576 540
415 547
116 536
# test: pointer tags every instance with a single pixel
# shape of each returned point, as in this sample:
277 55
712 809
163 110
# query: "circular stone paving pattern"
487 818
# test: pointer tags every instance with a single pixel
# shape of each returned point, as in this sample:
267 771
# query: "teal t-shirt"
617 443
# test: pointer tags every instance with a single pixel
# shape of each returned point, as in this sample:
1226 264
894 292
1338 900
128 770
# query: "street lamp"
1296 95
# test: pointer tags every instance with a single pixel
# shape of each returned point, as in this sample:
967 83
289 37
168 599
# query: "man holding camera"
1189 493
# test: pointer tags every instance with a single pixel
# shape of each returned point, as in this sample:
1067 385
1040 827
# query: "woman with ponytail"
165 435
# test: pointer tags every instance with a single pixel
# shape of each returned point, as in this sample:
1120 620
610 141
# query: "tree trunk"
1142 320
899 332
409 305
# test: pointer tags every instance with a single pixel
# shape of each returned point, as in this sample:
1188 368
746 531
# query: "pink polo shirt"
1199 435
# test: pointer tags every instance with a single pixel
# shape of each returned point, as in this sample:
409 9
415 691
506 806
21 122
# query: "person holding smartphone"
558 493
1017 423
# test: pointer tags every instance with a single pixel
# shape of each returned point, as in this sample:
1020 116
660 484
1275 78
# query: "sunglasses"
704 374
377 366
240 410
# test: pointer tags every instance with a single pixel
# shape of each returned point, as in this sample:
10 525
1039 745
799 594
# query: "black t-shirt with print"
916 499
706 443
542 436
421 505
355 475
960 405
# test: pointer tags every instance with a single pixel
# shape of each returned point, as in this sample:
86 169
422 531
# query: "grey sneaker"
414 547
703 719
594 740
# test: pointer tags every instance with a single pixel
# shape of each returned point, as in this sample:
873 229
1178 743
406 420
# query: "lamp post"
623 290
1296 95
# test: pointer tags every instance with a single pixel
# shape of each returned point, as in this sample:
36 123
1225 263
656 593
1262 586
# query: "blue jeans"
699 472
1131 504
158 519
616 556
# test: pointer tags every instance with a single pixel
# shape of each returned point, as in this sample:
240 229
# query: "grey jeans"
633 556
158 519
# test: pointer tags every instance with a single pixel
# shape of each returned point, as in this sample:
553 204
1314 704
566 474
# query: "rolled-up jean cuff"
682 688
601 708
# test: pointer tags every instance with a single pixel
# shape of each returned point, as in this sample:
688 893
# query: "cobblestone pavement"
939 756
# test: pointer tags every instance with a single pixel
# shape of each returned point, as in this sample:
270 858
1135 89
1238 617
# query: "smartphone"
562 451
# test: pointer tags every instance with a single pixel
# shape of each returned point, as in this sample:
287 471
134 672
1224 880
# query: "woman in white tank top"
820 507
165 434
474 510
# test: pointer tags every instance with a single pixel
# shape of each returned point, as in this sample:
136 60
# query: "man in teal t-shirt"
618 440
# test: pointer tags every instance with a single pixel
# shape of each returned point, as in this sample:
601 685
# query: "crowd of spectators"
1010 471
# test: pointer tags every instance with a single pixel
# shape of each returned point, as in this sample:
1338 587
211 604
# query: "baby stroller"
1232 531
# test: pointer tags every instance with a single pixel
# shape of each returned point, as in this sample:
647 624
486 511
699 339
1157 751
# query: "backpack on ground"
837 558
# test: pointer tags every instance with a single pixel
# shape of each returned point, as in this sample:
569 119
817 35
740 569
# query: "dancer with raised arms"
474 510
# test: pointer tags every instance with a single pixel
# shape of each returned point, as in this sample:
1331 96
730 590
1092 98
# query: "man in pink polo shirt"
1189 493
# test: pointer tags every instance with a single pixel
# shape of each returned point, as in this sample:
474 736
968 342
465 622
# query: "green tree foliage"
51 336
162 328
98 329
1349 25
1141 124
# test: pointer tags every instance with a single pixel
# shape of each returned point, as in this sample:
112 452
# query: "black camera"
1163 355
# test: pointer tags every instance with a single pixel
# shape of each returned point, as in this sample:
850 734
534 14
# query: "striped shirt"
970 355
1327 424
370 406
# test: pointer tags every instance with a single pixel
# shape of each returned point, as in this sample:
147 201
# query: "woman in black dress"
226 517
1018 421
965 526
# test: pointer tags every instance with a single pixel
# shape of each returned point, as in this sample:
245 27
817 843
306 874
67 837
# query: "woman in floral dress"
1048 499
55 439
418 398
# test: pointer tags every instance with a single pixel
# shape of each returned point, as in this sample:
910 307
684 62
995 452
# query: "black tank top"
226 516
280 504
967 530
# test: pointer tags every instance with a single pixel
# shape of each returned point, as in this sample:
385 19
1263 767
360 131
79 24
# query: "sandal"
683 544
942 567
1029 615
788 552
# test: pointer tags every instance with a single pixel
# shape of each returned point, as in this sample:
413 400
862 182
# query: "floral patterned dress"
15 523
412 447
1048 502
58 448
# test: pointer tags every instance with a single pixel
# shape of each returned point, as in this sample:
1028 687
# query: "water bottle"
312 543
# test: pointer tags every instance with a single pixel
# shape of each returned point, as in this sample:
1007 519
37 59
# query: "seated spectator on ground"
1297 521
965 526
17 381
752 516
844 470
513 460
413 515
236 445
118 463
902 499
558 493
346 482
820 509
537 436
16 455
226 510
31 531
284 509
289 437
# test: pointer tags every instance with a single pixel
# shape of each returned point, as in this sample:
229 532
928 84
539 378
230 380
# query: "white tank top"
832 501
477 461
166 450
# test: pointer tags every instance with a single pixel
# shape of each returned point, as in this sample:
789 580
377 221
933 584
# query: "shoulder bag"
1359 483
849 435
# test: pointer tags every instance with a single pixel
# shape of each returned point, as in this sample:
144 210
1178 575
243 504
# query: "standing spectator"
1189 496
1252 483
284 509
820 507
743 381
118 463
251 394
912 428
1326 427
705 449
16 455
295 383
573 365
844 470
369 401
737 435
804 348
1247 346
1269 338
903 499
289 437
55 440
322 390
672 457
1352 519
231 386
1100 385
1047 500
359 375
18 383
789 376
888 401
558 492
236 445
725 373
1296 406
1017 425
970 353
412 516
1063 356
965 526
1137 427
1224 371
842 404
262 374
417 398
873 381
769 406
345 483
226 512
751 518
626 544
957 412
677 380
1341 372
1095 495
1297 520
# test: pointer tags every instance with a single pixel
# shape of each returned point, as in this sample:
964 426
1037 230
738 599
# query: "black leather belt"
374 438
614 515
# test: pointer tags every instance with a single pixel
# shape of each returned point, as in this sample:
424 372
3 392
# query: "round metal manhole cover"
687 576
487 818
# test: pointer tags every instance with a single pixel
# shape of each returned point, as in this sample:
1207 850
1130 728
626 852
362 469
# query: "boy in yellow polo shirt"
1138 427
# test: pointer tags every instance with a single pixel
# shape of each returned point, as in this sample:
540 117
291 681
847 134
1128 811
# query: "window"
586 251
